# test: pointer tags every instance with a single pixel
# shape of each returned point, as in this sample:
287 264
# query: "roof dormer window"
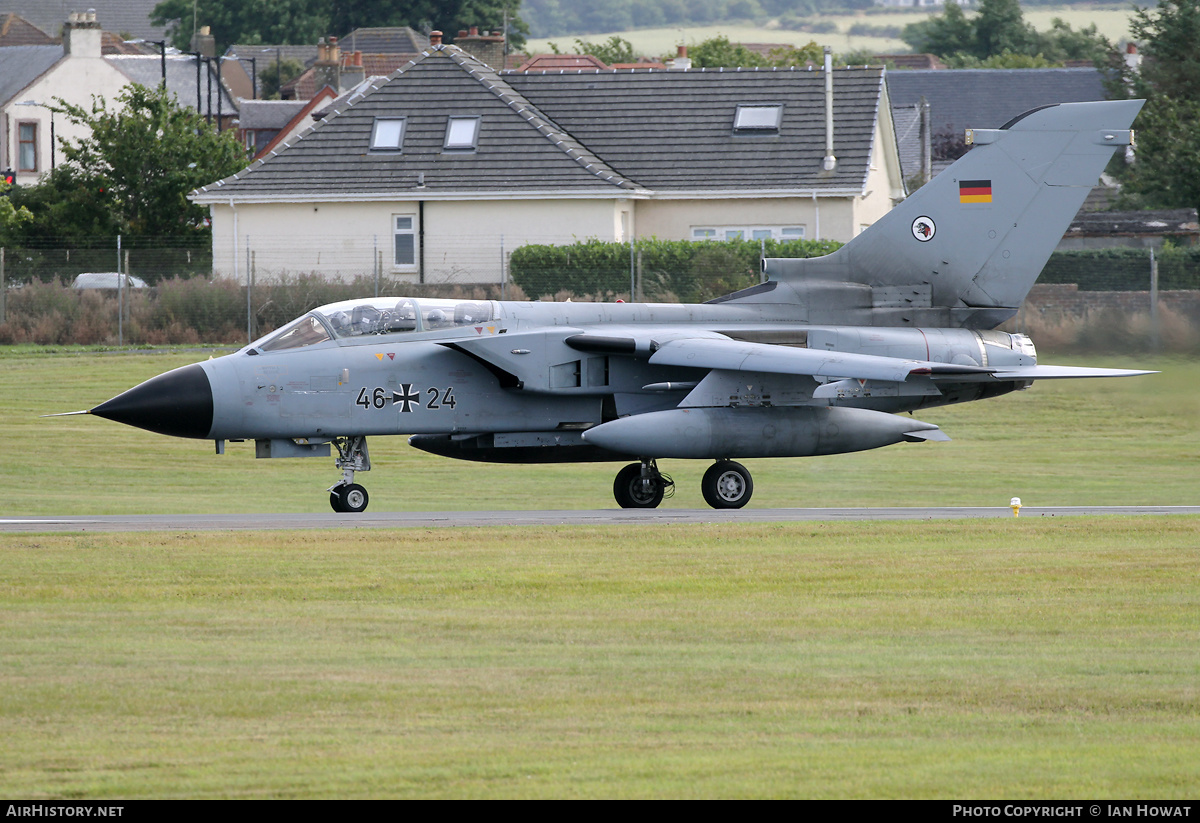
462 133
757 119
387 134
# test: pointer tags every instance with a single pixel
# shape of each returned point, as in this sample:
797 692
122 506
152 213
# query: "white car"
107 280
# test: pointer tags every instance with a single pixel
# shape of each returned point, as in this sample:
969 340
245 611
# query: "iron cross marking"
409 397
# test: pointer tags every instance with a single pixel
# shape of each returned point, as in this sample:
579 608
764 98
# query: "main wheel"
349 499
727 485
631 492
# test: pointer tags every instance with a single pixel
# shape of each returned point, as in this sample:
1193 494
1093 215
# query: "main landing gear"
726 485
347 497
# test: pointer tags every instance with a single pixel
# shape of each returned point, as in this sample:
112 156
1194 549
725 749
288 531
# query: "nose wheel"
348 499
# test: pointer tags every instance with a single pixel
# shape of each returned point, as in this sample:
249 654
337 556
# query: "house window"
748 232
405 233
462 133
27 152
387 134
757 118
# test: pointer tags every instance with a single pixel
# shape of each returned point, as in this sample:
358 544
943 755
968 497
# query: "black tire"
349 499
727 485
630 492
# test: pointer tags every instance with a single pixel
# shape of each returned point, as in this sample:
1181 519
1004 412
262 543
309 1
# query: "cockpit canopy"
379 315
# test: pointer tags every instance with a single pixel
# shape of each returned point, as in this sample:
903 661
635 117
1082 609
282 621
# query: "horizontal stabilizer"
927 434
1063 373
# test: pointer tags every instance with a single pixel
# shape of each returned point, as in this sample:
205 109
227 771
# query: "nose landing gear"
347 497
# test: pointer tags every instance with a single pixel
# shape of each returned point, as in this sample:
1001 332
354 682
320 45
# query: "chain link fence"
1110 299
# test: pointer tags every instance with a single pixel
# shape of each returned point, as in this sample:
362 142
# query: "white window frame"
793 231
455 139
33 146
758 118
379 131
409 231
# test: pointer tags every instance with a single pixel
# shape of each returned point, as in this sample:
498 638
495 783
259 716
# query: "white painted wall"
343 240
73 79
674 219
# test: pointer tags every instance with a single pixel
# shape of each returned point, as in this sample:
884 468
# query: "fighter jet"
820 358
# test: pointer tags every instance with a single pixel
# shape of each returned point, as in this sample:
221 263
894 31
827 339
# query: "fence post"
641 281
632 273
375 261
503 272
253 277
121 301
249 308
1154 331
3 292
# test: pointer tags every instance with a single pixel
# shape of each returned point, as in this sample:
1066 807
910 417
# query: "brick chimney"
353 72
488 48
81 34
328 68
204 43
681 60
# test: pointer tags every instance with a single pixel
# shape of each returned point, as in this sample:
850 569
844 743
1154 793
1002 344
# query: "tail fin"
972 241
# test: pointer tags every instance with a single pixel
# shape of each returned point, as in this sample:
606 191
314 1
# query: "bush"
1124 269
669 269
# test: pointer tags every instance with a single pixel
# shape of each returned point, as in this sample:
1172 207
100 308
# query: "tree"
999 37
1166 172
244 21
718 52
277 73
1001 27
944 34
131 175
615 50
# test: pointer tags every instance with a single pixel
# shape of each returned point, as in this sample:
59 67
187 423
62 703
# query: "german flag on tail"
974 191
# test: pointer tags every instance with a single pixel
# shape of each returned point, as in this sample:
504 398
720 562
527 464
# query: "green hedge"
669 269
698 271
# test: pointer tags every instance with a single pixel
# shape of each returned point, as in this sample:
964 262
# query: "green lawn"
1070 442
1030 658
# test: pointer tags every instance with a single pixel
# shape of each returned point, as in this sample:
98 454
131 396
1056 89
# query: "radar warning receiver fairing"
819 359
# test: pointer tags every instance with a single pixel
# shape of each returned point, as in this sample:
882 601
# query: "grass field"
1030 658
1061 443
1016 658
1112 20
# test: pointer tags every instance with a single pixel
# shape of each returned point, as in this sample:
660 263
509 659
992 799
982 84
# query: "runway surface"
462 519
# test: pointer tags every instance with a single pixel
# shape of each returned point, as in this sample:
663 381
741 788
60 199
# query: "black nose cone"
178 403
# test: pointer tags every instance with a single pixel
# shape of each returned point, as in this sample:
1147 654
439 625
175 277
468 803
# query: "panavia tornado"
820 358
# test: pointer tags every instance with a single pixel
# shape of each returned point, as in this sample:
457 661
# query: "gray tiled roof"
181 79
989 98
129 16
304 55
907 120
268 114
673 130
385 40
21 65
579 132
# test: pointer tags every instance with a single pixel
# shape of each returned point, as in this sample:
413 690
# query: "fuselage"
421 366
